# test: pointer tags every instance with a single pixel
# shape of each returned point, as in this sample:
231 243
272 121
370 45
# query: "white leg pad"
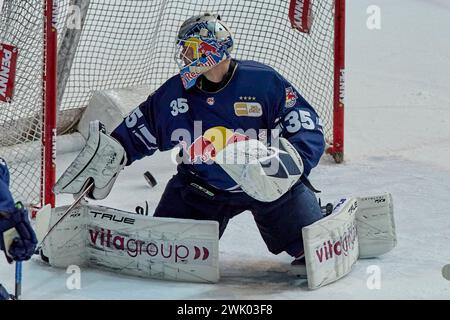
161 248
376 226
361 227
331 245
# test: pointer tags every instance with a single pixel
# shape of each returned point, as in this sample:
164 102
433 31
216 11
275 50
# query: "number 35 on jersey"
178 106
295 120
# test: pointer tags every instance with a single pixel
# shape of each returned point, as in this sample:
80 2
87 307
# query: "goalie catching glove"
264 173
99 162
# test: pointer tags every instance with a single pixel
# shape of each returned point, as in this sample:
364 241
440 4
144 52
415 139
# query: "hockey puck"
150 179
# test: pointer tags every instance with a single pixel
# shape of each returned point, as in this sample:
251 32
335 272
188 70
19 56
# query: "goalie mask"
203 42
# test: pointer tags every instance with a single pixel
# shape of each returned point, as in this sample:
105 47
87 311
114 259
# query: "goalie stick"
4 295
69 209
148 176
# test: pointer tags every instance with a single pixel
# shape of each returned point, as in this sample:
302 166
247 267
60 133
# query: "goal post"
49 112
68 49
302 15
336 148
28 116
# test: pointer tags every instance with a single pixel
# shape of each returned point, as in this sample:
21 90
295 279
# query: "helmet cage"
200 46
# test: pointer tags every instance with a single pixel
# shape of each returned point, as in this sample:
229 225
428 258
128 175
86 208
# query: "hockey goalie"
247 140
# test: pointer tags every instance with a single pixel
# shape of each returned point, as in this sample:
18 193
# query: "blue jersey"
255 100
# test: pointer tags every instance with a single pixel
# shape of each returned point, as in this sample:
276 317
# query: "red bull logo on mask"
204 48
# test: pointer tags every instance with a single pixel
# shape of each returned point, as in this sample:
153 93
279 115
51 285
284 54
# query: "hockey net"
106 44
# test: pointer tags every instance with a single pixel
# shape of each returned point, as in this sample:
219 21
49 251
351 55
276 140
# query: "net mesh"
130 43
21 24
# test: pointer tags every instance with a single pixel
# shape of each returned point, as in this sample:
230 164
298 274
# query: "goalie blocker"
100 161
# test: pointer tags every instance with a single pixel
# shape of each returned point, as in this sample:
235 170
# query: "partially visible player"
15 216
214 105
